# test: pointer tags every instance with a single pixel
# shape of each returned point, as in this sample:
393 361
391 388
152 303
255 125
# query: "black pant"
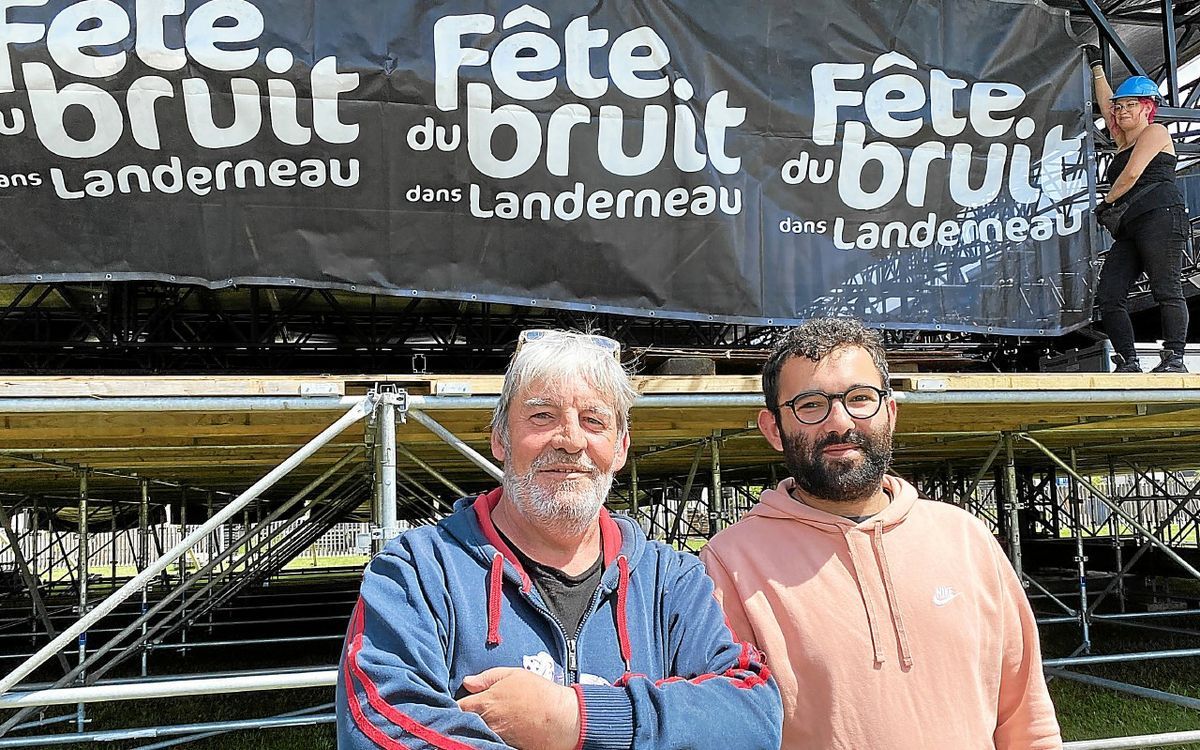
1152 242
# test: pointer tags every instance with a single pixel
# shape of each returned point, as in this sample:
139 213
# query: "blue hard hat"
1139 86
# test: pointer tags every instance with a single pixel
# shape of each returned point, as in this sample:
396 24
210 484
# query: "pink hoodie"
908 630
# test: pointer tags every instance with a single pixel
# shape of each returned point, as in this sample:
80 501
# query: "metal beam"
1110 35
455 442
404 451
1145 740
1116 508
360 409
31 581
170 730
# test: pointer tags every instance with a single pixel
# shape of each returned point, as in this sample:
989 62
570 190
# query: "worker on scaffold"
1145 212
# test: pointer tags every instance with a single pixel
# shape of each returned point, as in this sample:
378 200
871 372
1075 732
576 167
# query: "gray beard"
569 509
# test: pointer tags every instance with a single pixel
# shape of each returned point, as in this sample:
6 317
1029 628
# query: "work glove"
1092 53
1107 217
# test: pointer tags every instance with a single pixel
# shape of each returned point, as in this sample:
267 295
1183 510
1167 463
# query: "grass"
1172 533
1091 713
305 561
200 709
104 572
1085 712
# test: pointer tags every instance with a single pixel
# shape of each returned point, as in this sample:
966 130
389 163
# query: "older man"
530 617
891 622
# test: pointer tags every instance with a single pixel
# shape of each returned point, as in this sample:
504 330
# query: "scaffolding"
1089 481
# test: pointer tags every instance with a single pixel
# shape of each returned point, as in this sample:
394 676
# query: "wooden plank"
658 384
267 385
230 450
168 386
1043 382
490 385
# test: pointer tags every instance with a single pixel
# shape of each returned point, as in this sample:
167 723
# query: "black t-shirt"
567 597
859 519
1159 172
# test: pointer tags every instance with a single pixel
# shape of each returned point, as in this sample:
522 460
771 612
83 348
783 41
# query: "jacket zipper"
573 643
571 674
562 632
572 660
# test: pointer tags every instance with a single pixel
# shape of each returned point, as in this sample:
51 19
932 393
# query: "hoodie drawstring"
890 590
622 615
870 608
495 581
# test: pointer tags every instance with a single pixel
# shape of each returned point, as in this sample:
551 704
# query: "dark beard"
834 480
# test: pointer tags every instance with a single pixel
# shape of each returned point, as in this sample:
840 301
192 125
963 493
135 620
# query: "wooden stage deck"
49 425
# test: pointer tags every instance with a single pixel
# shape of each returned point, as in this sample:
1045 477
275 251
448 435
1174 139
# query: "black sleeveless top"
1160 172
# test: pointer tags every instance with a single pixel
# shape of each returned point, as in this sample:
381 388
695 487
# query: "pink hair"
1145 101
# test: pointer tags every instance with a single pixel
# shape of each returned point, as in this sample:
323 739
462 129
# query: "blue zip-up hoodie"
655 665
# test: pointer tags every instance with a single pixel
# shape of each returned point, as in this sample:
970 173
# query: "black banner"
919 164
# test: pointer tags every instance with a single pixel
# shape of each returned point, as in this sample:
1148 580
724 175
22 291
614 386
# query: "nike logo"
943 595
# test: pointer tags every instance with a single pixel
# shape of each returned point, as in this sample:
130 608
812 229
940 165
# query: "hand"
526 710
1109 221
1092 53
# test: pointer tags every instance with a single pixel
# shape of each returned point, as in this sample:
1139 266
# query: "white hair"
556 359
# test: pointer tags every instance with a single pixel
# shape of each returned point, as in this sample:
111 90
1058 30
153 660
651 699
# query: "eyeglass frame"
884 394
604 343
1132 106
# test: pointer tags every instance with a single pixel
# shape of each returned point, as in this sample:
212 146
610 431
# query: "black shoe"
1120 364
1171 362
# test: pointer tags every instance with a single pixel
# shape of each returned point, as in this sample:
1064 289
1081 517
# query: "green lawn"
128 571
1084 712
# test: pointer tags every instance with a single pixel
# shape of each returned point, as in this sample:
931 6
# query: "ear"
621 453
768 425
891 411
498 451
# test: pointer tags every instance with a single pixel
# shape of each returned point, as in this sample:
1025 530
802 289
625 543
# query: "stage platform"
223 433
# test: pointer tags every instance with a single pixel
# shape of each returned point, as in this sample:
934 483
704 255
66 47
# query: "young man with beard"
890 621
530 617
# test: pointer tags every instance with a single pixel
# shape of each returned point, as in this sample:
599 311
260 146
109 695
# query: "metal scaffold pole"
29 577
385 450
1012 508
143 560
1116 508
633 488
716 506
359 410
1080 559
84 558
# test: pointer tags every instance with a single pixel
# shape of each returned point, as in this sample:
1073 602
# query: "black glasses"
860 402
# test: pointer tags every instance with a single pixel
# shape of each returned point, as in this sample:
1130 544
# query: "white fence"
44 546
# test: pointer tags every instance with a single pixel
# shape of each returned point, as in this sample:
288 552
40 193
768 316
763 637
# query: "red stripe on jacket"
360 719
376 701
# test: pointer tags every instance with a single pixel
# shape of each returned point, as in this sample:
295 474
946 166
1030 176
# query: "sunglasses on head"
604 343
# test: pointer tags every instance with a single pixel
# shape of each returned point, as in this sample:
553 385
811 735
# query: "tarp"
920 164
